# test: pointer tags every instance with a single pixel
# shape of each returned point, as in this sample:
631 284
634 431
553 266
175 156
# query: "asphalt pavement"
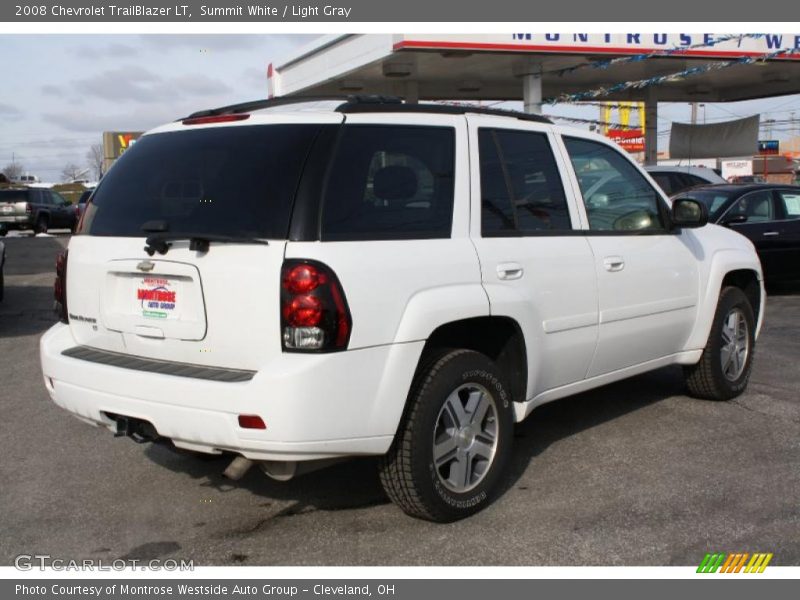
634 473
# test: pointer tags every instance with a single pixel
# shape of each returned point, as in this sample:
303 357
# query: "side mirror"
735 220
689 213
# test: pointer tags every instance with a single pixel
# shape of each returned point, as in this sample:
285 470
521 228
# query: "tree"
71 172
95 157
13 171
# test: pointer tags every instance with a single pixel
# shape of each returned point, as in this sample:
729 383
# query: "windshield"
715 200
231 181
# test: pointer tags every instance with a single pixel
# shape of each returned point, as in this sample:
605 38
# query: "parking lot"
635 473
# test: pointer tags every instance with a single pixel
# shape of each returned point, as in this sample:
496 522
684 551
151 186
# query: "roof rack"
287 100
446 109
365 104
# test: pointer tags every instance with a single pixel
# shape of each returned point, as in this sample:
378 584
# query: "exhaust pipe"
279 470
238 467
286 470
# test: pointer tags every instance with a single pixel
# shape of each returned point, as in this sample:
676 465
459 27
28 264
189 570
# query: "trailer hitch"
138 430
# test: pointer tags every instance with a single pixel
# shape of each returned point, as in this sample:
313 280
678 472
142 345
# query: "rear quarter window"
390 182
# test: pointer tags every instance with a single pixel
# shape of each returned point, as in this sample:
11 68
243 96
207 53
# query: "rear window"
390 182
234 181
14 196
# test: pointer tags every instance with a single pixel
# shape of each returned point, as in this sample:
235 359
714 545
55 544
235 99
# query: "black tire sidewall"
465 367
730 299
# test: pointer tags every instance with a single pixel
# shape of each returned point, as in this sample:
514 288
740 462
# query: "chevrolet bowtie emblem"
146 265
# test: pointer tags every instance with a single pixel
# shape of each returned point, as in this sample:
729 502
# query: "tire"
40 226
471 458
724 368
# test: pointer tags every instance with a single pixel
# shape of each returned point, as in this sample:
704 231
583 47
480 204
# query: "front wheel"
724 368
454 441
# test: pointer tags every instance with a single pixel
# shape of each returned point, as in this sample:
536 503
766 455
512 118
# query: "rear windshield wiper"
200 242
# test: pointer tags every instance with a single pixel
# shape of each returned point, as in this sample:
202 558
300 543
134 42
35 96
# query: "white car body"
592 309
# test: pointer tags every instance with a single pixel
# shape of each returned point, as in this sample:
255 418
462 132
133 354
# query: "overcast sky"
59 92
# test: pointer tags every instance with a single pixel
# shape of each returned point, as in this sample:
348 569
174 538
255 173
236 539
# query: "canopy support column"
532 89
651 129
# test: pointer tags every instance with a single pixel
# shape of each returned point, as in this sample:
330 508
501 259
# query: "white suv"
297 283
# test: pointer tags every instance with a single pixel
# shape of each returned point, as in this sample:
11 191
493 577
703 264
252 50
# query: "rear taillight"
60 286
28 208
314 313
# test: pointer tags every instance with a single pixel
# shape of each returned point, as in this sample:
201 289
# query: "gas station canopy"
491 67
536 67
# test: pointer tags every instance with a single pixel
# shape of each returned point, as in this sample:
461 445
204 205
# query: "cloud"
113 50
51 90
204 43
255 77
129 83
200 84
138 85
8 111
96 122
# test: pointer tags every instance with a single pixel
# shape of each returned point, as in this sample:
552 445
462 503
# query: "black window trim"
663 207
519 233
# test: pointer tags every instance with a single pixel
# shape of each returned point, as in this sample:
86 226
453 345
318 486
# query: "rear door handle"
509 271
771 233
613 263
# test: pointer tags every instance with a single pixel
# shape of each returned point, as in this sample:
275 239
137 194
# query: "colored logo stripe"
734 563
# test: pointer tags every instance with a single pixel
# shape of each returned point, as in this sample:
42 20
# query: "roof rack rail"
447 109
363 103
288 100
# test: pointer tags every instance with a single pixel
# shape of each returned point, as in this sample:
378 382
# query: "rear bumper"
15 222
315 405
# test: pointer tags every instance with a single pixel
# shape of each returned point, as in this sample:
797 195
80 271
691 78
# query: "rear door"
60 211
789 239
647 275
762 226
214 306
536 265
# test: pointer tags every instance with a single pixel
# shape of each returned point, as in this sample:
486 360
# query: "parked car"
80 206
297 286
675 179
36 209
2 270
767 214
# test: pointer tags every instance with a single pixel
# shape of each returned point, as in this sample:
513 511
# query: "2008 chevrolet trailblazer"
299 282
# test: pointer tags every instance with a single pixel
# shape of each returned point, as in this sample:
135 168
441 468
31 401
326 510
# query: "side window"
664 181
758 207
616 195
791 203
695 180
390 182
521 190
44 197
